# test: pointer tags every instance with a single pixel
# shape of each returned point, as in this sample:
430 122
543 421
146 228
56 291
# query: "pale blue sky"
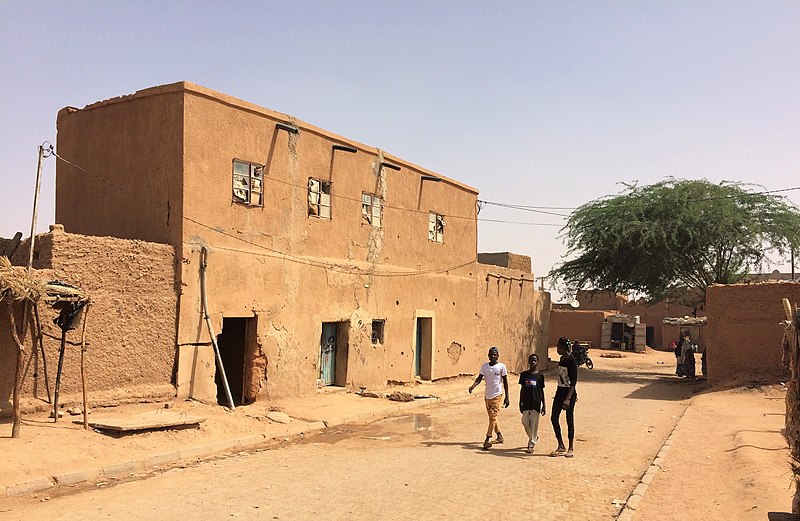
533 103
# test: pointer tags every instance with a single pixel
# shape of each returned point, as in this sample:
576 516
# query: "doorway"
333 353
232 342
424 348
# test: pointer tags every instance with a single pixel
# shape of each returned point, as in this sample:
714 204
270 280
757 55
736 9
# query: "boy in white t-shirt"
496 374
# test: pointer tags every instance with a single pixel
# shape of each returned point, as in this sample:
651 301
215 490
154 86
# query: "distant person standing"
565 398
531 400
496 376
678 348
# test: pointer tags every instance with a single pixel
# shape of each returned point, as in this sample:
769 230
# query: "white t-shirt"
493 374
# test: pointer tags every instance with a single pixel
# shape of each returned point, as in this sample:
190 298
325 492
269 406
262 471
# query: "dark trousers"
555 414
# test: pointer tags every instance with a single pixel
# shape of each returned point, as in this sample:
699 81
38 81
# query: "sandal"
500 438
487 444
558 452
569 454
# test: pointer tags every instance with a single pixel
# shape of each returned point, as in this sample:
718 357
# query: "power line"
539 209
352 270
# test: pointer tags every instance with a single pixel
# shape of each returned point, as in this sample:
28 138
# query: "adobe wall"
506 259
743 336
290 300
511 315
135 144
600 300
219 129
577 325
131 324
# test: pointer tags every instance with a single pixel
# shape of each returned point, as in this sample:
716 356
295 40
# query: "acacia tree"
676 235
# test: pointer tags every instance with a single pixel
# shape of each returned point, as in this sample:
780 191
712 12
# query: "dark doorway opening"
423 359
232 343
650 336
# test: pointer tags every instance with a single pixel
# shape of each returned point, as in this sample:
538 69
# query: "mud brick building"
328 262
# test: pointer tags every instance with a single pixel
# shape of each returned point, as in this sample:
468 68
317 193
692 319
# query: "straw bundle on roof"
15 284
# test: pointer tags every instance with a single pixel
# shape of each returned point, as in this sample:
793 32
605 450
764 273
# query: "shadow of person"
476 447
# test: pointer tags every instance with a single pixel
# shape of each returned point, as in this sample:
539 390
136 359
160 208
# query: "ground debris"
400 396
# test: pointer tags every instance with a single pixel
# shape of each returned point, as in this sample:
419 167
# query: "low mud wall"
743 336
131 327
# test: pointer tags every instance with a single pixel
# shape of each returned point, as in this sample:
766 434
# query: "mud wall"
289 301
131 324
289 272
577 325
511 315
743 336
506 259
600 300
132 148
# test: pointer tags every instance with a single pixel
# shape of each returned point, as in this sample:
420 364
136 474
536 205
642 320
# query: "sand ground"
727 458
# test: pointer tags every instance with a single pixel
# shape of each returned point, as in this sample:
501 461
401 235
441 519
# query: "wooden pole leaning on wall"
83 371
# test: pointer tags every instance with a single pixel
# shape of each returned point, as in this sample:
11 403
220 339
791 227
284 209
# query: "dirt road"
727 461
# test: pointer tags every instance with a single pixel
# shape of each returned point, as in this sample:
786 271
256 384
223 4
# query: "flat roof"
199 90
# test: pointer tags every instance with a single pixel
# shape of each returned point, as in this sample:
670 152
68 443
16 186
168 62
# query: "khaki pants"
493 409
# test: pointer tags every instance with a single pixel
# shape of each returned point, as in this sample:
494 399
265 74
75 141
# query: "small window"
319 198
435 227
248 183
377 331
371 210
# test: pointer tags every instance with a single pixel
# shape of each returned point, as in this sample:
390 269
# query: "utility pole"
541 283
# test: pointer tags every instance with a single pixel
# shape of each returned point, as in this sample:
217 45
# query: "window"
371 209
377 331
248 183
319 198
435 227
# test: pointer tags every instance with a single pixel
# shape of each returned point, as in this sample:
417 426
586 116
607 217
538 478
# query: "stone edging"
635 498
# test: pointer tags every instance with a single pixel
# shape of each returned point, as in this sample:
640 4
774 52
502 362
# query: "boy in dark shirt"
565 398
531 400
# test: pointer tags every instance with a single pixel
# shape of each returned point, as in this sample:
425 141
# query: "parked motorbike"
580 352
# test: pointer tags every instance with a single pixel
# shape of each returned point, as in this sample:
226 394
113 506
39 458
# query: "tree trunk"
20 368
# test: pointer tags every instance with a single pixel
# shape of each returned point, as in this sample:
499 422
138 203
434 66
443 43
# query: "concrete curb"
637 495
218 448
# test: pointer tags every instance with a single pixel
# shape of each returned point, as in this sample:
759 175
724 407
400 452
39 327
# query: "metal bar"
204 299
83 372
39 336
390 165
345 148
58 373
287 128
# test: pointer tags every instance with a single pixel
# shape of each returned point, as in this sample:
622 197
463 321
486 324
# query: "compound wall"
131 324
744 334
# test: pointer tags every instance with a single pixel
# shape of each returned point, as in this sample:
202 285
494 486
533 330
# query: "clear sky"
533 103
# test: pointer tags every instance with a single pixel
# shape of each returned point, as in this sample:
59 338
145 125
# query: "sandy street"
430 466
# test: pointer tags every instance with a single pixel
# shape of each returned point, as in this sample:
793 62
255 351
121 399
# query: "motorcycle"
580 351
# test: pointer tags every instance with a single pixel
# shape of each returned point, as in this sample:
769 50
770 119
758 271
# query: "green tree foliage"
665 238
